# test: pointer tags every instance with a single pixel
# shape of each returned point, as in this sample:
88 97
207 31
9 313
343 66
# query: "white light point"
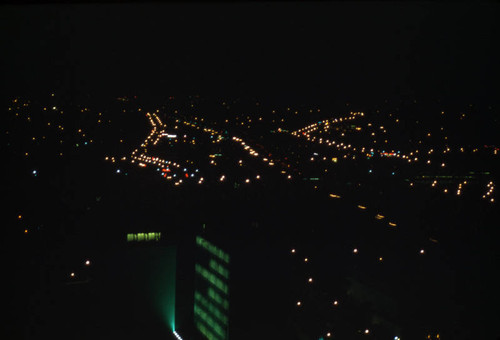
177 336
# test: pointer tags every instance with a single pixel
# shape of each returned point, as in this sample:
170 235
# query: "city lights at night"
251 171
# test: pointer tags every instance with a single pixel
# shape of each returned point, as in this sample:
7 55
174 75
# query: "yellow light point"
310 280
380 259
361 207
392 224
306 259
19 217
25 231
72 274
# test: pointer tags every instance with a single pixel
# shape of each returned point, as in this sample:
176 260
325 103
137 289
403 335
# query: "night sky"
316 51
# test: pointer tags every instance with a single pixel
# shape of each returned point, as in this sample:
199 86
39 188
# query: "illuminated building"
211 295
152 262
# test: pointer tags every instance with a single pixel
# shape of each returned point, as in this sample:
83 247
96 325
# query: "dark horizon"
308 51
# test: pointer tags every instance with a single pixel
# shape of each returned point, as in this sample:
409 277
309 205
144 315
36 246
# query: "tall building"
152 264
211 294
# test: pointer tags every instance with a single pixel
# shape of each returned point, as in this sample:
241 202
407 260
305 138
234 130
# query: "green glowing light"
212 249
220 269
205 331
212 278
162 283
212 294
141 237
211 307
211 297
214 325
